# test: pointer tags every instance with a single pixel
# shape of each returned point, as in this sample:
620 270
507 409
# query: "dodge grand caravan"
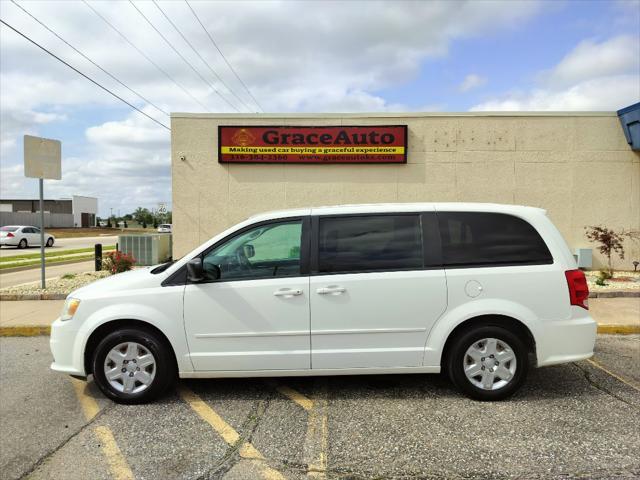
478 291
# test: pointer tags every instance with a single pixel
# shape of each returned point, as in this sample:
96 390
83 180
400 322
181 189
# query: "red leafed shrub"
118 262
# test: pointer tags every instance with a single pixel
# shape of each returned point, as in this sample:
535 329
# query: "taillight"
9 234
578 288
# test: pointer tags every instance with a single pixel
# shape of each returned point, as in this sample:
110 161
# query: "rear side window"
475 238
369 243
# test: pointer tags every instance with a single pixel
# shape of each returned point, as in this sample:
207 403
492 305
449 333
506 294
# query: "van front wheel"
133 366
488 363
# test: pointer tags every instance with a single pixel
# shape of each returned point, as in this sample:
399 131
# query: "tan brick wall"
577 166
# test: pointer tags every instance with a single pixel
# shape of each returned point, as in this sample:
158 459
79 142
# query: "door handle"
331 290
287 292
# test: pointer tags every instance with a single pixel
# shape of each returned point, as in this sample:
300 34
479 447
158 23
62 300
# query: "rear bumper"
9 242
567 341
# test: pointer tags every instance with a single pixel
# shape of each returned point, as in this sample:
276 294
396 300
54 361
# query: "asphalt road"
62 244
570 421
10 279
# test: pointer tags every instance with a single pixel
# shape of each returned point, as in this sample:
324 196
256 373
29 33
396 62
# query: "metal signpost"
42 159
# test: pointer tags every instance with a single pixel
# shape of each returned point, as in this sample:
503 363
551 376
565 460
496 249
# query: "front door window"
266 251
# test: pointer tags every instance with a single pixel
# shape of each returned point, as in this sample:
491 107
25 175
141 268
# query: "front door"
375 294
256 315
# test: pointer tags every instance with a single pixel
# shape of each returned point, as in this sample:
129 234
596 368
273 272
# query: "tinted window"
267 251
367 243
490 238
8 229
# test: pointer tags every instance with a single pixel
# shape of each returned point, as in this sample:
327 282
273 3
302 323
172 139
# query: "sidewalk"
33 317
29 317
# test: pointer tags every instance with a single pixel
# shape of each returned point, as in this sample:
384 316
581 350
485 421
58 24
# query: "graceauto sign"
342 144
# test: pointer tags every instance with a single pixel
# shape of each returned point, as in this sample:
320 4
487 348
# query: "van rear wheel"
488 363
133 366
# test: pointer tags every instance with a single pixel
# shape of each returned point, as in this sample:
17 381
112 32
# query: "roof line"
391 115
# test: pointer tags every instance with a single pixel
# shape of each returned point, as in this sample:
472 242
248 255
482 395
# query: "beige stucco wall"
577 166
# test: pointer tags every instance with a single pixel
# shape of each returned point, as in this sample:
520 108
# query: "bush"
118 262
604 274
600 282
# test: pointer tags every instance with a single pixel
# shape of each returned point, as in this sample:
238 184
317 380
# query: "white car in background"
164 228
23 236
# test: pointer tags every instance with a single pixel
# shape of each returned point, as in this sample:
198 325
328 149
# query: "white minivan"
478 291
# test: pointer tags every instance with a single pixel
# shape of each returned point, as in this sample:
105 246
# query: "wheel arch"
106 328
512 324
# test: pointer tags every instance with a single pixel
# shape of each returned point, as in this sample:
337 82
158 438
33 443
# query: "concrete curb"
615 294
619 329
41 330
25 331
9 297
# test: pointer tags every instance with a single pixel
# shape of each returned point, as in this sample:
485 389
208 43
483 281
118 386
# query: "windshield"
8 229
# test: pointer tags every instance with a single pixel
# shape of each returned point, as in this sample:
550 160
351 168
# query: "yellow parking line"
89 405
617 377
117 464
315 448
227 432
297 397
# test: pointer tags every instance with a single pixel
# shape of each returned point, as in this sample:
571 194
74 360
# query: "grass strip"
48 261
59 253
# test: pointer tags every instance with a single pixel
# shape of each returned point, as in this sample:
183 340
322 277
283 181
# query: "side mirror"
195 271
249 251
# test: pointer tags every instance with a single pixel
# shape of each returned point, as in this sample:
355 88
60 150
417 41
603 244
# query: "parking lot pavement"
571 421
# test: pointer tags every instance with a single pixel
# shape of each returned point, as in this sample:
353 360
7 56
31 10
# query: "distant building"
79 211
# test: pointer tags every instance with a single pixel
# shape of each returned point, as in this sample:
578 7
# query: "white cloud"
295 56
593 76
590 60
472 81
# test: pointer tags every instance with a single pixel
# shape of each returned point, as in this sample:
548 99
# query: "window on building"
369 243
475 238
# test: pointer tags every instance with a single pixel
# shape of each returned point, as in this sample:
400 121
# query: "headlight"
69 309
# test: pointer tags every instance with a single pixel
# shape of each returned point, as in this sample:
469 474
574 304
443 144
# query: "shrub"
604 274
600 282
118 262
610 241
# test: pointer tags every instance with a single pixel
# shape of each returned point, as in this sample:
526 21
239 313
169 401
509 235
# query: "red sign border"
249 162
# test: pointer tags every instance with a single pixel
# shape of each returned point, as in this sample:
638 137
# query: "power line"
85 76
182 57
200 56
88 59
160 69
222 54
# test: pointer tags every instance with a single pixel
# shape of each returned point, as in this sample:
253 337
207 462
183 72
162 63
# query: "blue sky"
295 57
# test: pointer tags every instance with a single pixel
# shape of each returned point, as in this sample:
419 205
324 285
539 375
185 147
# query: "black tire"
165 365
50 242
456 361
23 243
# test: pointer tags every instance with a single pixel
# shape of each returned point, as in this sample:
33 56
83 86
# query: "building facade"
78 211
577 166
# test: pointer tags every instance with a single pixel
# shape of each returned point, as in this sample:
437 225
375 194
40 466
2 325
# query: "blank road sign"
42 158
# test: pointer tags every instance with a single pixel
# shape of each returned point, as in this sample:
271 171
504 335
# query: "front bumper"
567 341
67 355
